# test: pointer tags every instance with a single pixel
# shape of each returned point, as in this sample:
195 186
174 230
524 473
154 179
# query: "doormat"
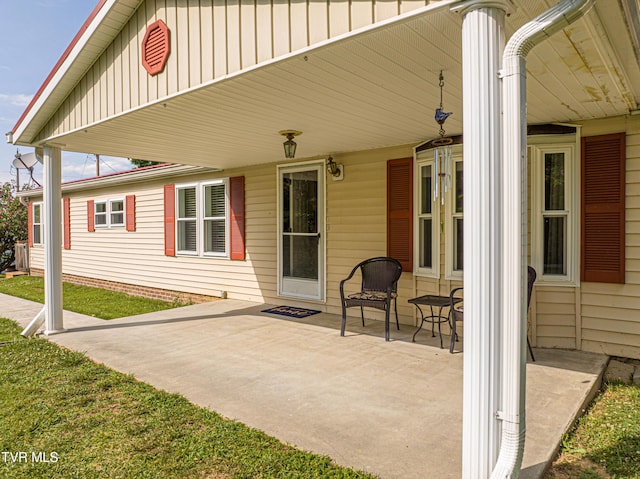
291 311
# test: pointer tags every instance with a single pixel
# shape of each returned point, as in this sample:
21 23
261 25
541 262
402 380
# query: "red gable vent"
155 47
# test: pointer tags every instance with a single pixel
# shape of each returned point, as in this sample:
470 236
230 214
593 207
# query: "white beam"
483 41
52 169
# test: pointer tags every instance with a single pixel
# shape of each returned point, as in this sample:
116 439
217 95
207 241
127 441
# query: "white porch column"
483 42
52 168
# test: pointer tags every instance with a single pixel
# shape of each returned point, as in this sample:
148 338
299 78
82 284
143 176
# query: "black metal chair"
378 288
457 313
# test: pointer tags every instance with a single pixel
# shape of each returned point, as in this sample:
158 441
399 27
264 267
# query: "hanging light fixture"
290 145
442 155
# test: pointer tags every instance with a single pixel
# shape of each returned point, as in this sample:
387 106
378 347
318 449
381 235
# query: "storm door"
301 231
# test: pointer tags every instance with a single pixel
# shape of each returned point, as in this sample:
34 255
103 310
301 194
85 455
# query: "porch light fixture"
290 145
442 156
333 168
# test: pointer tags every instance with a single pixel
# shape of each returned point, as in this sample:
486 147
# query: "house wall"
594 317
609 320
208 42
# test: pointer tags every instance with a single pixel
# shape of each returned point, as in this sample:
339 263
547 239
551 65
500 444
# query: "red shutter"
90 212
30 224
236 199
400 211
130 208
602 255
66 222
169 220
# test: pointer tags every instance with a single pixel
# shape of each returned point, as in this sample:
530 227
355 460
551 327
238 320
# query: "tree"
13 224
140 163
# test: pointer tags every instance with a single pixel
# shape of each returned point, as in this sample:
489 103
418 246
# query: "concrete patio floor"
393 409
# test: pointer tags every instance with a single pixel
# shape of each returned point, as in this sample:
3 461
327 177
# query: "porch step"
11 274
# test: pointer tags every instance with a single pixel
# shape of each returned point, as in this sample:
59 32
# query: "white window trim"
200 232
537 148
425 158
450 214
108 211
40 204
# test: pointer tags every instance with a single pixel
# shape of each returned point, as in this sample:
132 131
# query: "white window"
108 213
454 251
553 212
438 220
202 218
37 224
427 238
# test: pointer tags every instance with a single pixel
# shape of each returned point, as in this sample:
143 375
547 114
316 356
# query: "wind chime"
442 156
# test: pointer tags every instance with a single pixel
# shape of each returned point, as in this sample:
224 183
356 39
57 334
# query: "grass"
605 443
89 422
96 302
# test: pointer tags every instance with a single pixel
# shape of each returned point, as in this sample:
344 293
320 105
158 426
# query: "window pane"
214 201
101 207
36 213
186 235
299 202
36 234
117 219
100 219
117 206
554 181
459 185
458 250
300 256
426 246
214 232
187 203
555 258
425 188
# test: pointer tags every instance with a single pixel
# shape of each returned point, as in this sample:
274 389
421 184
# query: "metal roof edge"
136 175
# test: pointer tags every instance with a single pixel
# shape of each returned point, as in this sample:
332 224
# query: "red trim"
30 224
66 215
62 59
169 220
91 226
130 206
236 200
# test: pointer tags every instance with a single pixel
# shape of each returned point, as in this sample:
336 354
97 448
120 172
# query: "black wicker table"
433 301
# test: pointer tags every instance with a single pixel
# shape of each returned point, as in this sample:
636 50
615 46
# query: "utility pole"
97 165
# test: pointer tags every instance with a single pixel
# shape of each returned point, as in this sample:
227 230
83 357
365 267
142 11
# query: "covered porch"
392 409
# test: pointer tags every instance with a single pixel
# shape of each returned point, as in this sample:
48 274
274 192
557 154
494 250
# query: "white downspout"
512 413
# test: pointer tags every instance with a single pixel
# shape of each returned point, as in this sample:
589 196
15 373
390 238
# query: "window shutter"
130 208
603 208
90 220
400 211
236 233
30 224
169 220
66 222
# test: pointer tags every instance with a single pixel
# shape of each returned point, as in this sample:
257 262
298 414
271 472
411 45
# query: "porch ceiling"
374 89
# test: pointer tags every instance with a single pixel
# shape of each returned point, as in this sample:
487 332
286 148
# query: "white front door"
301 231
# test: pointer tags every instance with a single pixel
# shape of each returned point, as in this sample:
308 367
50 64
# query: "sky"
33 36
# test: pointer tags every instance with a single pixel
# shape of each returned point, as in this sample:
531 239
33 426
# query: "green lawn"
605 443
91 422
97 302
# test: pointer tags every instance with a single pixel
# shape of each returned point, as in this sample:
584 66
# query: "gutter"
514 303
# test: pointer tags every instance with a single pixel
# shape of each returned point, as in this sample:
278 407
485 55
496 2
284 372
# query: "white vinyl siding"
209 40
